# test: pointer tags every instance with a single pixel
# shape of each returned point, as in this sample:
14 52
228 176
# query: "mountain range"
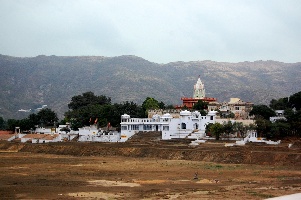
30 82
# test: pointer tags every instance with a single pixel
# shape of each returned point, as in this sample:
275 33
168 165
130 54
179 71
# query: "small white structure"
189 124
196 142
59 130
279 116
253 137
43 130
40 138
92 134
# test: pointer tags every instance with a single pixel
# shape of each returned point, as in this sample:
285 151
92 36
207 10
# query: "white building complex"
92 134
187 125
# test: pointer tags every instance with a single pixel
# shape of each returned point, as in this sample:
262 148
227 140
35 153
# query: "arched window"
196 126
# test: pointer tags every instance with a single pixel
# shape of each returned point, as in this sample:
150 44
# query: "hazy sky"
160 31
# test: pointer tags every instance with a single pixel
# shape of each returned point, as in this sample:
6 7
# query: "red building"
198 94
190 101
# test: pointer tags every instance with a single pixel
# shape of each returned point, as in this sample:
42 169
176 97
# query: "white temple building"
188 125
199 89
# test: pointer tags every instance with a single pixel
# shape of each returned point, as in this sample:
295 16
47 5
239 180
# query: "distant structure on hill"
235 108
198 94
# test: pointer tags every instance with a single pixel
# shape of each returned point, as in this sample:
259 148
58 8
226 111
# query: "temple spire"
199 89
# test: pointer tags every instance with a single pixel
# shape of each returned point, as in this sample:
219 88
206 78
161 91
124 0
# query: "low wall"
245 122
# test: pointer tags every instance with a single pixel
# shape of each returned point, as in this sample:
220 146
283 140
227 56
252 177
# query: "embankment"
210 152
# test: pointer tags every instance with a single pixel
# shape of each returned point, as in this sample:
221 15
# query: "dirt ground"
120 171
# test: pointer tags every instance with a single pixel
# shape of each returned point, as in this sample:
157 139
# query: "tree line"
84 110
289 126
87 109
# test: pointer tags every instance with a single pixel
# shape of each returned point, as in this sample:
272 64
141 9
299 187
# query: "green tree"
47 117
84 116
170 107
228 128
263 126
294 120
2 124
87 109
216 130
280 129
295 101
12 124
87 98
25 124
207 129
129 108
184 108
200 105
162 105
150 103
280 104
262 110
33 119
246 128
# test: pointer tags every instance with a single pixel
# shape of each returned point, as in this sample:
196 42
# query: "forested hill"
28 83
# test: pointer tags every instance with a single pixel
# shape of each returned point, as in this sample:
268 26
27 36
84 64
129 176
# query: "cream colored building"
239 108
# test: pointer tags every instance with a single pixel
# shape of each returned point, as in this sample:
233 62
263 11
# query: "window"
135 127
165 128
196 126
236 108
124 128
183 126
147 127
211 117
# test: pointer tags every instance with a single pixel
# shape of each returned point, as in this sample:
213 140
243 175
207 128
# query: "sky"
160 31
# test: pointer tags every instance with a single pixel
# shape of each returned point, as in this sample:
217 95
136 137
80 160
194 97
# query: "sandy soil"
147 168
28 175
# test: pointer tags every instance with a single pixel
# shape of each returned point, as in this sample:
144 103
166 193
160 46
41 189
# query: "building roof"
50 136
35 136
234 100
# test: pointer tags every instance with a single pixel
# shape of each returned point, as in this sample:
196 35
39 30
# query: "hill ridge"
29 82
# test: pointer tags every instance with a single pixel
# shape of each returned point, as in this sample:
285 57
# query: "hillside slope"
28 83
